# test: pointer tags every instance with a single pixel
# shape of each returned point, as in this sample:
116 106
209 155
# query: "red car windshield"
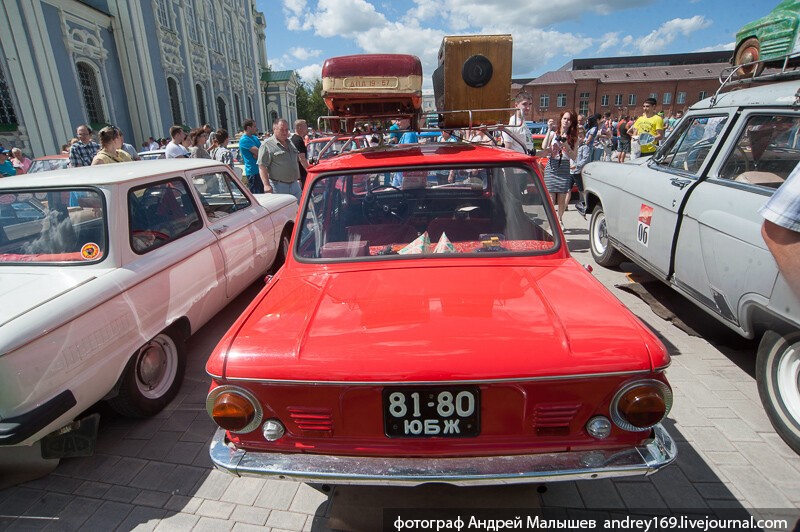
430 212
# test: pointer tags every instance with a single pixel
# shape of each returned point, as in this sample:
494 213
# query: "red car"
429 325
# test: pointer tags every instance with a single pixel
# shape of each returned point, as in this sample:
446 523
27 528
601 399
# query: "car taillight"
234 409
640 405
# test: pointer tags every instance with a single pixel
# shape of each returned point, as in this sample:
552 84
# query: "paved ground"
155 474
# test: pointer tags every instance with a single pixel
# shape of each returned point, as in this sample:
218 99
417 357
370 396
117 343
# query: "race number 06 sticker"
643 227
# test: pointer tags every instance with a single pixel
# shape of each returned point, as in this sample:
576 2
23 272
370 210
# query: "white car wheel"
778 377
603 252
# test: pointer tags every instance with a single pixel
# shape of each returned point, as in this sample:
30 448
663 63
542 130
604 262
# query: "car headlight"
640 405
234 409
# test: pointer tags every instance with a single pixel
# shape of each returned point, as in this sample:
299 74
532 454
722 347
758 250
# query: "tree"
303 100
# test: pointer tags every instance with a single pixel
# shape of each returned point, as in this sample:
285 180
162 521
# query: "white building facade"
140 65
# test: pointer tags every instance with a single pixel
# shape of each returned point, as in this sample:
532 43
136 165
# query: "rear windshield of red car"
442 212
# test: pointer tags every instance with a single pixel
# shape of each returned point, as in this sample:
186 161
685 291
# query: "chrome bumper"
327 469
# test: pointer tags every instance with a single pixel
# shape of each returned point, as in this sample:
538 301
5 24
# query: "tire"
283 250
603 252
748 52
152 377
778 378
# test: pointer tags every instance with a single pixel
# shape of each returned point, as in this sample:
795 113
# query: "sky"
301 34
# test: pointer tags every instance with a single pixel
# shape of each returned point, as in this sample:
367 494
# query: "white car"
105 271
689 215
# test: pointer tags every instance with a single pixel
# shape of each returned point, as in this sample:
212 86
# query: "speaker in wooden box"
474 73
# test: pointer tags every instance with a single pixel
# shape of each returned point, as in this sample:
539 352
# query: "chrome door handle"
221 229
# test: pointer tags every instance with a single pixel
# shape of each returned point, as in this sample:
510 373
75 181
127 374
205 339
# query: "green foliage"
310 104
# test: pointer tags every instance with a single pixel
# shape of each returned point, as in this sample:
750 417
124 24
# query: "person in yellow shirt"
648 129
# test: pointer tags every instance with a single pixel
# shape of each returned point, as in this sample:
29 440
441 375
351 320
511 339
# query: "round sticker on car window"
41 195
90 251
7 199
24 197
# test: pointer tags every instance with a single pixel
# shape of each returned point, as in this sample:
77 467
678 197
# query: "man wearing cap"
6 168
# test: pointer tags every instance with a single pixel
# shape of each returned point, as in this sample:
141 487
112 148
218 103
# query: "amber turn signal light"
641 405
232 411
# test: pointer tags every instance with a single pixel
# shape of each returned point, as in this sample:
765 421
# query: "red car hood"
436 323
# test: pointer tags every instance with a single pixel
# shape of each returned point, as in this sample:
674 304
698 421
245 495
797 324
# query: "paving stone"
75 513
245 527
563 494
753 414
177 522
203 459
640 495
315 523
773 466
17 502
142 519
121 494
40 483
181 480
676 490
108 517
182 503
145 429
102 467
48 505
779 446
216 509
90 488
308 500
737 431
126 470
719 458
179 421
72 467
277 494
201 430
726 396
243 490
721 412
65 484
749 389
157 448
687 415
757 490
249 514
699 395
599 494
156 499
286 520
213 485
708 438
714 490
152 475
211 524
715 383
184 452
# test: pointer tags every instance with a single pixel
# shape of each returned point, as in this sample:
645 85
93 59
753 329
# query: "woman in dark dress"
562 148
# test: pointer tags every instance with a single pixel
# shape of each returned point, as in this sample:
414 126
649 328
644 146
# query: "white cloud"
310 72
609 41
345 18
716 48
660 38
303 54
294 12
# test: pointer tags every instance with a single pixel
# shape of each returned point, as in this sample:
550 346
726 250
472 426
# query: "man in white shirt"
175 149
519 131
152 144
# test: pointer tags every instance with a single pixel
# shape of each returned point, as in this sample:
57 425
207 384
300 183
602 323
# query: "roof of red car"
452 153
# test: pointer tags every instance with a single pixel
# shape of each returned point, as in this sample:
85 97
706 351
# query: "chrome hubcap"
788 380
600 236
156 367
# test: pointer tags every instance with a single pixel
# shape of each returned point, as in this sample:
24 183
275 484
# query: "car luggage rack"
728 76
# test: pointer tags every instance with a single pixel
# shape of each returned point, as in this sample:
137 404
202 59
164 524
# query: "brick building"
621 84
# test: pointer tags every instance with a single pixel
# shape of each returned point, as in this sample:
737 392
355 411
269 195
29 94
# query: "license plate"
427 412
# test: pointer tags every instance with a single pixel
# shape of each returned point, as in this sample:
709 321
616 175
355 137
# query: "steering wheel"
378 210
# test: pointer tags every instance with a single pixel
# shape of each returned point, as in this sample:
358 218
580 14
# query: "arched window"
237 108
8 117
213 40
90 91
223 115
174 101
201 103
191 23
164 18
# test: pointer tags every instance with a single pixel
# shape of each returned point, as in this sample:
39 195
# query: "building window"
544 100
229 39
604 100
654 95
667 98
174 101
681 98
631 99
703 95
561 100
8 117
164 18
201 103
618 99
213 41
584 96
237 109
250 107
191 22
583 107
222 115
90 91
